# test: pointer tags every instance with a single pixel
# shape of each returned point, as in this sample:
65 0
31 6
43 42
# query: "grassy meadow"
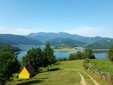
63 73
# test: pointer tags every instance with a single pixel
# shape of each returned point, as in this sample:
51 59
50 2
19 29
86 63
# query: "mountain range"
41 36
72 40
65 42
61 39
17 40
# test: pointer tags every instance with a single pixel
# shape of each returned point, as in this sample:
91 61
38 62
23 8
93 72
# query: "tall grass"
104 65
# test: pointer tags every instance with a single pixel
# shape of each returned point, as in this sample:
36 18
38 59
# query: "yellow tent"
27 71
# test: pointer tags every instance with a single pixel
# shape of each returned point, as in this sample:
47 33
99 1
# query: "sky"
83 17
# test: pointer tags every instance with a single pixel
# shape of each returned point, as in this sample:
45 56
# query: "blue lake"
58 54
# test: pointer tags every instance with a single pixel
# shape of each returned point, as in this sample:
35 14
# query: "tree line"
9 63
40 58
87 53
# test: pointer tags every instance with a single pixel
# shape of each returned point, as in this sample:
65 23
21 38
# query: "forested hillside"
17 40
102 44
59 39
65 42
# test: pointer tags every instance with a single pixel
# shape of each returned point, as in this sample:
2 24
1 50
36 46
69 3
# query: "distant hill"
65 42
93 42
57 39
17 40
44 37
102 44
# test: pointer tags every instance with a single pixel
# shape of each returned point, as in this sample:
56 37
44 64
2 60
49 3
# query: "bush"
86 63
77 55
88 53
110 54
72 56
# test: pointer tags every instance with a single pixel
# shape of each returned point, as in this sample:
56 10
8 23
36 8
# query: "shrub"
86 63
77 55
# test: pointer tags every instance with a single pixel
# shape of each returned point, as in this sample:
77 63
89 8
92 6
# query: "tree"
79 55
35 57
9 48
75 56
49 54
8 65
39 58
88 53
72 56
110 54
86 63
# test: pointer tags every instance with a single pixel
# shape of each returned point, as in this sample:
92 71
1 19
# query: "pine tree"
8 65
49 54
35 57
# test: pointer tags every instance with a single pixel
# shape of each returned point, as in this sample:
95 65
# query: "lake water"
58 54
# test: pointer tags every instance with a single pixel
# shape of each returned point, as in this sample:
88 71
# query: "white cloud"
21 31
82 30
91 31
18 31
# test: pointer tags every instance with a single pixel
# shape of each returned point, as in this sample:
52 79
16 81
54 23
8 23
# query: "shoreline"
66 50
26 45
100 49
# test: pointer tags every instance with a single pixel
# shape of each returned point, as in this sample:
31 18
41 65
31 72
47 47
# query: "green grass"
87 79
59 74
103 65
97 78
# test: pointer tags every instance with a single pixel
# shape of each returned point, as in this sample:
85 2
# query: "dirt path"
82 82
94 81
82 78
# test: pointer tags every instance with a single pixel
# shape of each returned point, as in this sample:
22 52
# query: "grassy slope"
105 66
60 74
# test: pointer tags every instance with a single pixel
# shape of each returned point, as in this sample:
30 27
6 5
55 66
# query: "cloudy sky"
83 17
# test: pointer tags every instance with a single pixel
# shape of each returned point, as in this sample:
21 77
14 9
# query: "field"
63 73
104 66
